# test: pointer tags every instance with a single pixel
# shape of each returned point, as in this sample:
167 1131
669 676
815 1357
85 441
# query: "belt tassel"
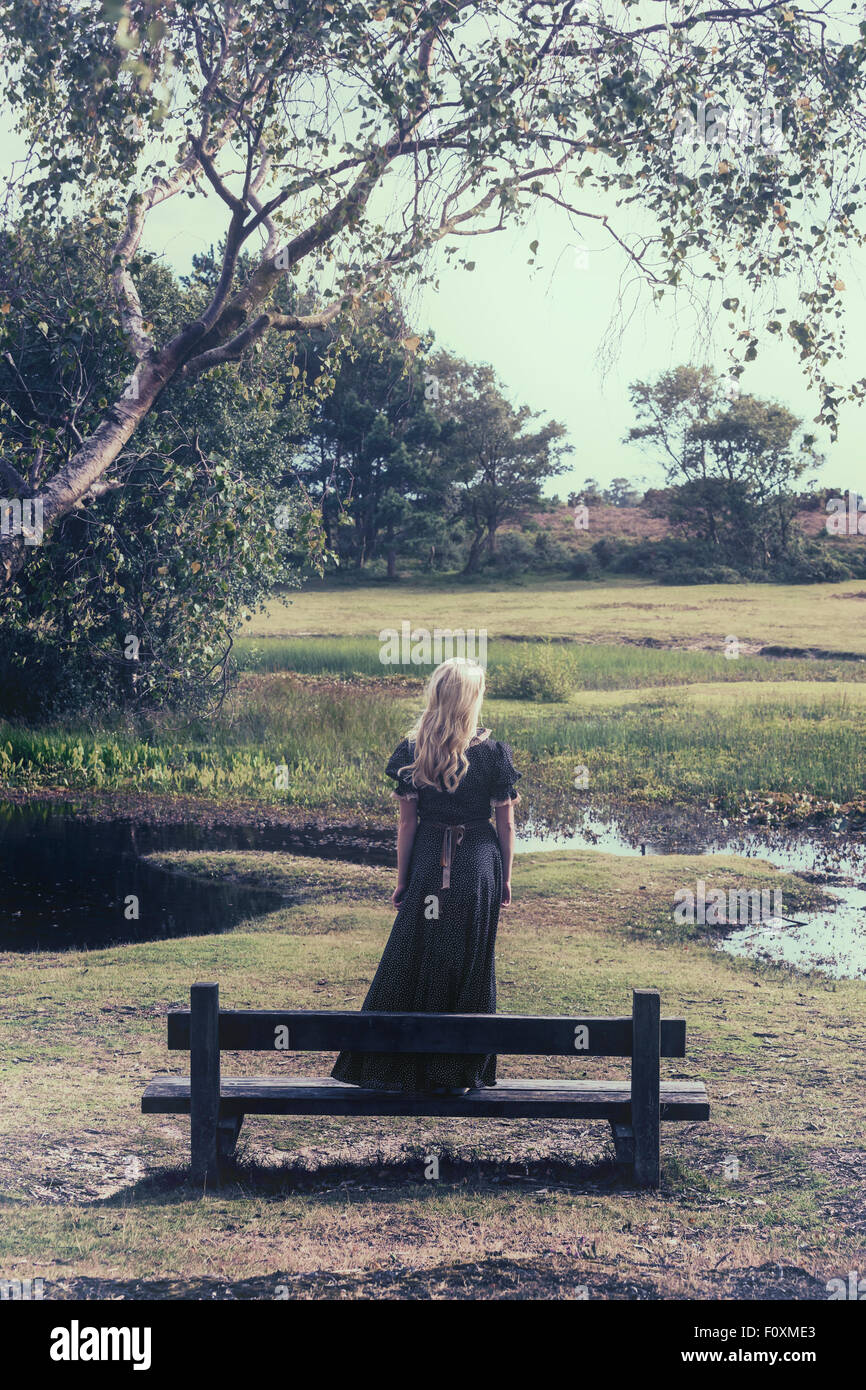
448 847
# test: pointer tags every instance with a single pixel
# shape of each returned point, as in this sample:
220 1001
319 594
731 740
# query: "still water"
67 883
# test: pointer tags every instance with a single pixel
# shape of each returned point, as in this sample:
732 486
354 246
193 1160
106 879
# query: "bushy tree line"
418 459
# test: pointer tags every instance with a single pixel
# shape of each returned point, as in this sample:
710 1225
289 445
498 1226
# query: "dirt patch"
811 653
771 1281
486 1279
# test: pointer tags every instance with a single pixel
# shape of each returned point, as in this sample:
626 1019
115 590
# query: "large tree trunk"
81 474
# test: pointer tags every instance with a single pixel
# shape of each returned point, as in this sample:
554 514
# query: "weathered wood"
633 1108
508 1034
228 1129
512 1099
623 1142
645 1098
204 1084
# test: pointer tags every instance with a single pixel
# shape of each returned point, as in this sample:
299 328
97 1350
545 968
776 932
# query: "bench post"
645 1080
204 1081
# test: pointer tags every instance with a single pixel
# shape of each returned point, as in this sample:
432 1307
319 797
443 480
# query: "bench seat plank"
517 1099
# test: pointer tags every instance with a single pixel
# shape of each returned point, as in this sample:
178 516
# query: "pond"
70 883
832 940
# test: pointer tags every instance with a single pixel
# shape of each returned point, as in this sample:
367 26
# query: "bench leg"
623 1142
204 1150
204 1079
645 1107
228 1129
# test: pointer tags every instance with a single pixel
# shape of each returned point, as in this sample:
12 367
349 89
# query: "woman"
453 873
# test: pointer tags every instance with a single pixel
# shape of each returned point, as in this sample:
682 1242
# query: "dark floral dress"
444 963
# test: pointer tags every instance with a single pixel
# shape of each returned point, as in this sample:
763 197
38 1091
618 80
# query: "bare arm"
505 831
405 840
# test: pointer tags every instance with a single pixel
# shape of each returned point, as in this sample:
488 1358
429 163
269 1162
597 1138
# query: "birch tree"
344 142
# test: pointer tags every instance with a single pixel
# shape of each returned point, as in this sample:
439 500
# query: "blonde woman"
453 875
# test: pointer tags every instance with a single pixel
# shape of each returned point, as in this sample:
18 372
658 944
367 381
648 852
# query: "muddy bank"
552 810
105 885
170 808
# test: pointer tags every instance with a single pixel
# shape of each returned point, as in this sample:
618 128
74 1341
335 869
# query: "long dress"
443 963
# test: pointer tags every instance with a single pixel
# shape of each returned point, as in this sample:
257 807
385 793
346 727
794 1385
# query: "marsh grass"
513 665
333 738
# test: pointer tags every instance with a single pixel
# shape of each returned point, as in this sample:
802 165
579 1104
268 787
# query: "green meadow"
680 721
320 742
828 617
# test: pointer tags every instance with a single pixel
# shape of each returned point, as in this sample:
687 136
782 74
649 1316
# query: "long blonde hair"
449 722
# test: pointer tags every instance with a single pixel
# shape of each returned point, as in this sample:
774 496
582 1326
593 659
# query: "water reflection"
71 884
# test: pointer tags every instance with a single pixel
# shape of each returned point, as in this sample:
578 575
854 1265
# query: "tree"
371 457
137 597
589 493
353 140
497 462
732 462
621 493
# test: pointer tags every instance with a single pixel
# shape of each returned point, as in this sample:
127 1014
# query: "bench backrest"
205 1030
269 1030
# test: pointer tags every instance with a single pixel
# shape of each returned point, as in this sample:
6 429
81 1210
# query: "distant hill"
637 523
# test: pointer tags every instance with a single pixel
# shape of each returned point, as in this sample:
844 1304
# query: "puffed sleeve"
399 758
505 775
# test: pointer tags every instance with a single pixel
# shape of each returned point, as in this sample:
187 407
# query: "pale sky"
542 327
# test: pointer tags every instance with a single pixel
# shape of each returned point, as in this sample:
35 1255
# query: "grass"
94 1190
824 616
696 742
582 666
315 717
328 741
95 1195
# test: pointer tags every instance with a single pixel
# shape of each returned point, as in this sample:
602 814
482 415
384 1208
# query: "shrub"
582 565
40 678
550 554
818 566
512 556
543 675
700 574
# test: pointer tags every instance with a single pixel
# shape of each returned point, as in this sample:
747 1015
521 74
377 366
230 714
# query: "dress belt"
449 843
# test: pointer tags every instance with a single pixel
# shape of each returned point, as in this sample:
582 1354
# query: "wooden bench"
218 1105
